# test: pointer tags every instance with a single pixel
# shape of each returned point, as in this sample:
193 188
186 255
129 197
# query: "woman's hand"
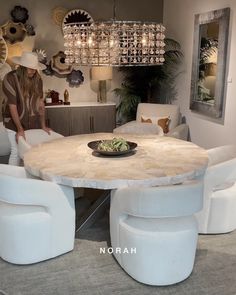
46 129
20 132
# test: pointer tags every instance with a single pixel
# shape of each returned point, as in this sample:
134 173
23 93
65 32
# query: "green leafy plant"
114 145
208 47
149 83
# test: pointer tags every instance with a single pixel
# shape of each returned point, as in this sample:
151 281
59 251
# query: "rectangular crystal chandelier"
114 43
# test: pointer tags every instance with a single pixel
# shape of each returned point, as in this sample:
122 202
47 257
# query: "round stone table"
157 160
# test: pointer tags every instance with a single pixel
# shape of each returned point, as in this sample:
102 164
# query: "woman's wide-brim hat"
29 60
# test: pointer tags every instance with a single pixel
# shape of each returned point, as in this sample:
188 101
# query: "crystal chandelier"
114 43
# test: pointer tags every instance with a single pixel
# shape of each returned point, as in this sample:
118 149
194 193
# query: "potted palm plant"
209 46
154 84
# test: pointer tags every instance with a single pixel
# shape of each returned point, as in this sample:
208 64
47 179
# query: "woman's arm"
16 120
42 116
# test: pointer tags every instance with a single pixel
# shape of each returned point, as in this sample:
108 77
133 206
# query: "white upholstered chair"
219 210
139 128
37 218
5 147
150 110
34 137
158 223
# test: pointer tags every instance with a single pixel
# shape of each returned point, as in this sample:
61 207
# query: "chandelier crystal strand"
114 43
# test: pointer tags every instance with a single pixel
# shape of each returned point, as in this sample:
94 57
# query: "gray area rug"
86 271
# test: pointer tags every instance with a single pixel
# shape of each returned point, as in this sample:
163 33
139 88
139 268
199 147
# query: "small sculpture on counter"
66 97
48 99
52 98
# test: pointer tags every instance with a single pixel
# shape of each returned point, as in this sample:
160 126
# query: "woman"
24 106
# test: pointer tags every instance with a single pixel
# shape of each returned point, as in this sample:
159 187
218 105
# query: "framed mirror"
208 79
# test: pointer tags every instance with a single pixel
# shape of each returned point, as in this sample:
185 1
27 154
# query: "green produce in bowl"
114 145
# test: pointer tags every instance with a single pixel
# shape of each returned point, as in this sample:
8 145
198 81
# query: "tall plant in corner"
149 83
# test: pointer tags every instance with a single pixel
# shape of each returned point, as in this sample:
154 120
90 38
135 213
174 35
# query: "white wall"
49 36
178 17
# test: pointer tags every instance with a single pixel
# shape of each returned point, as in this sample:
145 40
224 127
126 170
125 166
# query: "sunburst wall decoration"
3 51
77 15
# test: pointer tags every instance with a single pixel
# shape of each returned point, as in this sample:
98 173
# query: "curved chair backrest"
160 201
139 128
37 218
159 110
221 154
5 147
34 137
220 176
15 171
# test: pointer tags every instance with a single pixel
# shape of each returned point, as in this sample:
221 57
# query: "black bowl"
94 146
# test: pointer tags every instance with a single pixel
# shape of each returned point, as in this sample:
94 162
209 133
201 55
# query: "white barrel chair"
34 137
154 233
37 218
153 110
5 147
219 210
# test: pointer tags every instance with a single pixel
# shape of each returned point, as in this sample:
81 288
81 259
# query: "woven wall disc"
58 15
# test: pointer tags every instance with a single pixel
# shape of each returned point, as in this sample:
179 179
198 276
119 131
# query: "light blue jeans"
14 158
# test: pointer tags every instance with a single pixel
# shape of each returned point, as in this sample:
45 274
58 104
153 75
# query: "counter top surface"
82 104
